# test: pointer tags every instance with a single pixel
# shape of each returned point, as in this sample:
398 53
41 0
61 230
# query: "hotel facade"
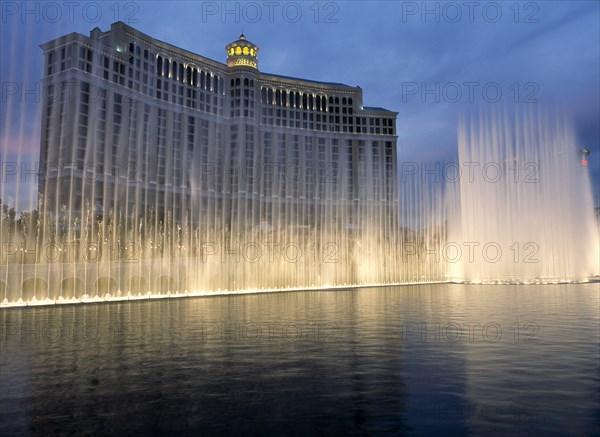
131 124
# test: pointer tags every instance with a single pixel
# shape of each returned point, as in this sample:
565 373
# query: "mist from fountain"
523 209
59 255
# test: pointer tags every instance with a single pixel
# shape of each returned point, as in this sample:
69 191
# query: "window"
50 63
85 59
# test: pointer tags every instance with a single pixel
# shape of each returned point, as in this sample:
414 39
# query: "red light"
584 162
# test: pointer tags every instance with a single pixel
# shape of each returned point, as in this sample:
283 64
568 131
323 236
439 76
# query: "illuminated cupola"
242 53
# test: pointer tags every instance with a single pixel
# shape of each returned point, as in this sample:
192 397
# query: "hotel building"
131 124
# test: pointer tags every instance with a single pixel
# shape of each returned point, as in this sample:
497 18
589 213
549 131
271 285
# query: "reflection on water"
414 359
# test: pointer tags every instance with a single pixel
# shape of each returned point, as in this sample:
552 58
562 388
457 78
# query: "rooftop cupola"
242 53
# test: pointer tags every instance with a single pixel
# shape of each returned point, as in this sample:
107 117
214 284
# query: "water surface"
445 358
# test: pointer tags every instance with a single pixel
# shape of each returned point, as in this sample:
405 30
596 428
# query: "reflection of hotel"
130 120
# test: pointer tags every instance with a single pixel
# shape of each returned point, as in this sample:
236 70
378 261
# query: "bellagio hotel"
134 124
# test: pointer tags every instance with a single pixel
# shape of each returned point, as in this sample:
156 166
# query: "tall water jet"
523 208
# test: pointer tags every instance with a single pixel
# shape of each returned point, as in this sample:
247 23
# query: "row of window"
328 123
189 75
294 99
241 50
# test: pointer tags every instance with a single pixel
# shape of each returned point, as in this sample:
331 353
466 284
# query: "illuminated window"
238 50
245 50
252 52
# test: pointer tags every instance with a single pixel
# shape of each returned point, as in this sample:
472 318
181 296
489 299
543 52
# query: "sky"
428 61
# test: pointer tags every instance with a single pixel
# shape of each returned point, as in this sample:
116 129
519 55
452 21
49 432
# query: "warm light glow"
246 62
238 50
245 50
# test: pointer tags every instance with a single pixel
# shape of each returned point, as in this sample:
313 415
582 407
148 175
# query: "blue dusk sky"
428 61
